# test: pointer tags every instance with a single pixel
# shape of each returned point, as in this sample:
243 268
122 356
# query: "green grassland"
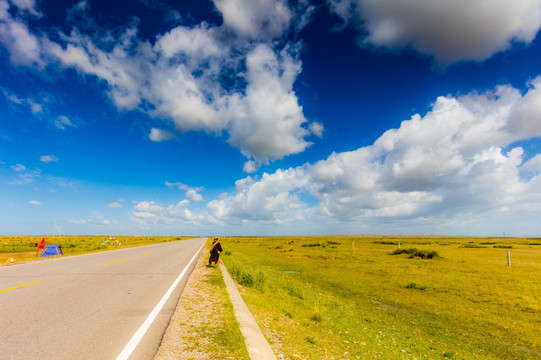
19 248
347 297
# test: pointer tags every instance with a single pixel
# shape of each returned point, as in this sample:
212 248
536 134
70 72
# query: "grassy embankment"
351 298
222 327
19 247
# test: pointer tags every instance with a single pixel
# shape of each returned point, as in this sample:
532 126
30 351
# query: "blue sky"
269 117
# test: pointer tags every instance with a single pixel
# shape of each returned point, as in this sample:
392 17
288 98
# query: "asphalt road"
90 306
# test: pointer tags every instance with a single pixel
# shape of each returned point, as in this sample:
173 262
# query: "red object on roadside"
42 244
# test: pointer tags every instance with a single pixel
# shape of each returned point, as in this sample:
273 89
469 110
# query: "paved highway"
92 306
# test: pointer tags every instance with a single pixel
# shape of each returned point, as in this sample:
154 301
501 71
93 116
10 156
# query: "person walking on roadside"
215 251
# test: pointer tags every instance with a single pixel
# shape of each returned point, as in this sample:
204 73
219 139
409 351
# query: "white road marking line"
136 338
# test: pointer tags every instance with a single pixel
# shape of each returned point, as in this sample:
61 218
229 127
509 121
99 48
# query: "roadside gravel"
203 325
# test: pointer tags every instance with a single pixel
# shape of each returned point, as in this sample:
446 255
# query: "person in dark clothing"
215 251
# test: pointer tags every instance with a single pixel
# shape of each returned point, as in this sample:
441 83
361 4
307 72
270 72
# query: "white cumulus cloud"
192 193
23 46
267 121
454 165
250 166
273 199
533 165
450 31
148 213
455 169
258 19
228 79
158 135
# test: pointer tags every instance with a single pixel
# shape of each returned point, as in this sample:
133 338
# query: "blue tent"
51 250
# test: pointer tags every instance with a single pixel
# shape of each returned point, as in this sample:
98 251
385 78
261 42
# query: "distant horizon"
270 117
320 235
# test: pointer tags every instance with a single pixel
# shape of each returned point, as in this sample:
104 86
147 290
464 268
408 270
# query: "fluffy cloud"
48 158
192 193
119 68
274 199
28 6
61 122
250 167
317 129
455 167
449 31
37 105
34 202
158 135
533 165
259 19
455 162
525 119
146 213
267 120
23 47
202 79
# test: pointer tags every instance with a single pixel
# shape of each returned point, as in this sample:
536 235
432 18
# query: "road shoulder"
204 324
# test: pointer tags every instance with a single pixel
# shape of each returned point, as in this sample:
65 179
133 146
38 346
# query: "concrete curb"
258 347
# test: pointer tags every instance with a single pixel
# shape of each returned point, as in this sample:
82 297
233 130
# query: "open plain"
361 297
382 297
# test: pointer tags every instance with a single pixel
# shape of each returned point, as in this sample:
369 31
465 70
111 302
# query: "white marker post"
508 258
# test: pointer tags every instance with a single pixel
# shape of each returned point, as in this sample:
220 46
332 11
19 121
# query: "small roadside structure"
111 241
51 250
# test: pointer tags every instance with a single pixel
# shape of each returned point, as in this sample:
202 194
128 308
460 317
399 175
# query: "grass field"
362 297
346 297
19 248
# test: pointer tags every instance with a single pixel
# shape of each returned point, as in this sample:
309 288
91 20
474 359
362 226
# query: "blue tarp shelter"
51 250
